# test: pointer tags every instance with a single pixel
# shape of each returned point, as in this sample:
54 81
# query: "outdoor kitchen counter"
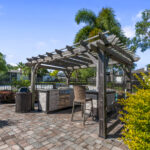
110 99
55 99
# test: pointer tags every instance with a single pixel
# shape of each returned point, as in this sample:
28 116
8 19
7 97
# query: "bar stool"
80 99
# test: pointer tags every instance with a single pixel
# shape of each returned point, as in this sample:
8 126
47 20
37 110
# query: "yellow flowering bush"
136 116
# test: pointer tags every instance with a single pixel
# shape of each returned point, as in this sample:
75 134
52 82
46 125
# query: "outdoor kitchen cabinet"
55 99
110 100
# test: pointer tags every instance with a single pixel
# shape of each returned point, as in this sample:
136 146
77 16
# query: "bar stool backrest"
79 94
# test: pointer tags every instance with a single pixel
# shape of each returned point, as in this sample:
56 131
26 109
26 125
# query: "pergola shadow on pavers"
98 51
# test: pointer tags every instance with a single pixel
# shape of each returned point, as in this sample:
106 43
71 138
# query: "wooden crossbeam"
59 63
82 58
58 52
122 52
121 49
93 47
52 67
82 67
69 48
113 54
59 67
66 54
29 59
94 60
104 39
42 56
83 43
67 61
114 41
34 58
120 44
76 61
49 54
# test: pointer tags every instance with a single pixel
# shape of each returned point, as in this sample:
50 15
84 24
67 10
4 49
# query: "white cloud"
129 31
139 15
13 64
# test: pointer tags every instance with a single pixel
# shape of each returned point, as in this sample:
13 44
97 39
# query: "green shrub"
136 116
20 83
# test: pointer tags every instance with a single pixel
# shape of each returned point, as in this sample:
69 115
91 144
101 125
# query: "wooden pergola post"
33 79
128 78
111 74
101 80
68 75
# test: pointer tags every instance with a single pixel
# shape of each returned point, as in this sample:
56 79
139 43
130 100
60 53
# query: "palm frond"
106 21
85 16
83 34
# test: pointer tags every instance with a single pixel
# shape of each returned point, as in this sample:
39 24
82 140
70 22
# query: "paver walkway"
51 131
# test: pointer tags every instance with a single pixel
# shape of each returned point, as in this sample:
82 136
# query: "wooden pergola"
99 51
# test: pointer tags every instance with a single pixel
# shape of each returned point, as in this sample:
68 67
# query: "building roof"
15 71
141 70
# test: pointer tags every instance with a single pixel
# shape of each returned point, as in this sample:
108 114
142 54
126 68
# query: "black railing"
49 85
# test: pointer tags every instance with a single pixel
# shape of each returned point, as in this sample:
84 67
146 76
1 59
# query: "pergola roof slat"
52 67
114 54
75 57
82 58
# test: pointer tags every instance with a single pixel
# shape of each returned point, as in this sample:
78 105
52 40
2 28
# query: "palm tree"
105 21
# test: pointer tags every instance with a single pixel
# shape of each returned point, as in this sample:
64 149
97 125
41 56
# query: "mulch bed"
7 97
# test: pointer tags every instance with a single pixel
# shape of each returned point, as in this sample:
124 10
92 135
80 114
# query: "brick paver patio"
55 131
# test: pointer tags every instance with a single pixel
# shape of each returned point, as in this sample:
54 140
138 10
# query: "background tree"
105 21
84 74
3 65
11 67
42 71
54 74
27 70
142 37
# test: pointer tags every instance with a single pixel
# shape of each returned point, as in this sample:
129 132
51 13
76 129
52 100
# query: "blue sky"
32 27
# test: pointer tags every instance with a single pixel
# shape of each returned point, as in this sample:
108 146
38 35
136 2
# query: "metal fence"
5 87
50 85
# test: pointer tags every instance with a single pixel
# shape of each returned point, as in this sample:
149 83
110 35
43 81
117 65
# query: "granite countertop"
58 89
96 92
